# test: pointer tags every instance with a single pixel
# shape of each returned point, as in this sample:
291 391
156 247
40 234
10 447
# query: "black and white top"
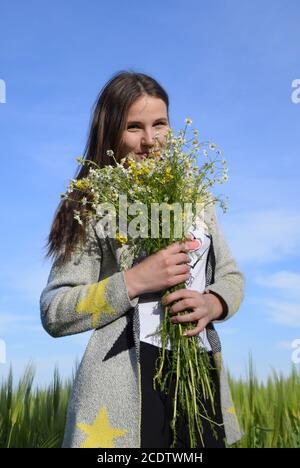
151 311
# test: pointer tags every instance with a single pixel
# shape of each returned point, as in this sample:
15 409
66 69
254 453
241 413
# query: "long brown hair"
106 128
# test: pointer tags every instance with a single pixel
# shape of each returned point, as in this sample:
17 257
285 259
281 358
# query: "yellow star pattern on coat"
95 302
100 434
236 304
230 410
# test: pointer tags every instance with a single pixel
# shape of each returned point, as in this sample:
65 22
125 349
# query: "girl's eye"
136 126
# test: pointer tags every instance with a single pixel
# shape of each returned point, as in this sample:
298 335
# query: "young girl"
113 403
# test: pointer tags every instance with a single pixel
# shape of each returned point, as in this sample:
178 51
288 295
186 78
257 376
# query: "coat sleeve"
74 300
229 281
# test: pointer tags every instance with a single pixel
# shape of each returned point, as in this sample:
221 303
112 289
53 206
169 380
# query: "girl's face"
146 117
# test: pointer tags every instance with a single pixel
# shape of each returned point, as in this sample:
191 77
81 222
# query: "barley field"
34 417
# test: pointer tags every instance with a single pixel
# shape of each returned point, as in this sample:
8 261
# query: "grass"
33 418
269 413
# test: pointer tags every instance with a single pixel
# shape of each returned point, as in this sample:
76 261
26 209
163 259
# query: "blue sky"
229 65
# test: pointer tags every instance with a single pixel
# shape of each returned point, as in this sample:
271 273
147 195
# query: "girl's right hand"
161 270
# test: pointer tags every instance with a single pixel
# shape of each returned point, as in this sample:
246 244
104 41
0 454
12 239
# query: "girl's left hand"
205 308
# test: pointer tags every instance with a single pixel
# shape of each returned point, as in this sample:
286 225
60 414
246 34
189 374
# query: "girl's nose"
150 139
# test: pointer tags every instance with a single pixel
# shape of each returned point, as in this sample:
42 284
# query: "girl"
112 403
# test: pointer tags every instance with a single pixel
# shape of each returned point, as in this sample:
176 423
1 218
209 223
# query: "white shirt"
151 312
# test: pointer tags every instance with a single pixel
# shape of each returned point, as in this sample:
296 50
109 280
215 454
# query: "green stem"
191 367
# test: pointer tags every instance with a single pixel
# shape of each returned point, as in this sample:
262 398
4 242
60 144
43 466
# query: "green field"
34 417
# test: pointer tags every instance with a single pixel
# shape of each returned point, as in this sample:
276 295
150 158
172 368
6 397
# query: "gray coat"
89 293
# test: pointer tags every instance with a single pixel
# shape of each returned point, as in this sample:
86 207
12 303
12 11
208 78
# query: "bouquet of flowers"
170 191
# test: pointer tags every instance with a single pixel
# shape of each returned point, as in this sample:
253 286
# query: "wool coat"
89 292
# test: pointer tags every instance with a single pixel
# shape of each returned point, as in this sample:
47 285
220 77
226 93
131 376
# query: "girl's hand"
161 270
205 308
